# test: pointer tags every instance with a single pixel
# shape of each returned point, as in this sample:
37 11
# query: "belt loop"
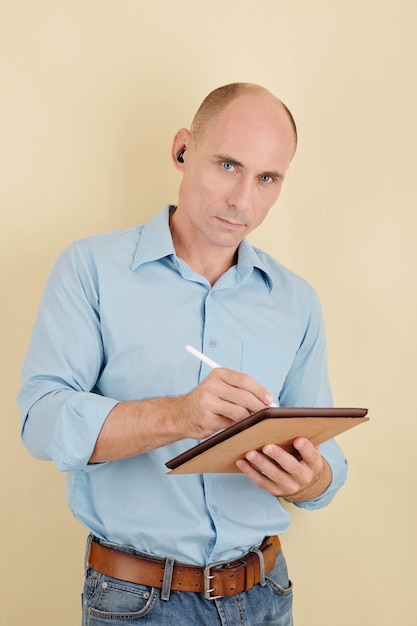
87 553
262 580
166 583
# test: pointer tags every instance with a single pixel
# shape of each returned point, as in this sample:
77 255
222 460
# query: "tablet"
280 425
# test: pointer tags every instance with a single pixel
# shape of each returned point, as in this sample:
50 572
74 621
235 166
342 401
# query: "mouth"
230 223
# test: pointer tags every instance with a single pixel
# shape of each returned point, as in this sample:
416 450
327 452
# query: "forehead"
252 127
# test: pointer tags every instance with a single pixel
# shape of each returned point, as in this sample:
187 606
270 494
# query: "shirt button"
212 343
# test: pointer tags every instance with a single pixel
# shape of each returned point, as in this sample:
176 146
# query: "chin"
226 242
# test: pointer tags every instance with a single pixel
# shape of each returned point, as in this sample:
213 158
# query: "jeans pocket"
277 579
109 599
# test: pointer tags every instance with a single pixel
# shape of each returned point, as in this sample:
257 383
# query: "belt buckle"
208 577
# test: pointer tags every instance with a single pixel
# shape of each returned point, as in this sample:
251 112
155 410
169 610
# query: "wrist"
314 489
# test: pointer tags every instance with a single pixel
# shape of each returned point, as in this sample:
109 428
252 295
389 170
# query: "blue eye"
227 165
266 178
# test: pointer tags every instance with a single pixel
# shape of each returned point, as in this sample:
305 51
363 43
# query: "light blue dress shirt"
115 317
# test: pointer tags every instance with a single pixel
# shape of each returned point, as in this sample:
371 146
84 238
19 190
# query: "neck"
205 258
212 270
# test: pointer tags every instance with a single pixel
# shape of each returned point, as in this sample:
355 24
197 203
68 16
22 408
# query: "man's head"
218 99
234 160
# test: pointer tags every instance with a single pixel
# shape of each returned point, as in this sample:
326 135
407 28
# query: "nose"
240 195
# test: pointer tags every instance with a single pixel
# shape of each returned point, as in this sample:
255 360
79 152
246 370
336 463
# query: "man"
109 393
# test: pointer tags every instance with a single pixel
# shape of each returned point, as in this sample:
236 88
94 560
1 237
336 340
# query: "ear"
180 143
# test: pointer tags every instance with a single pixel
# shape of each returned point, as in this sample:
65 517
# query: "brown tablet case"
281 425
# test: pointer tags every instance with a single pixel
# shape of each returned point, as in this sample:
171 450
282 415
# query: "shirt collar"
156 243
249 258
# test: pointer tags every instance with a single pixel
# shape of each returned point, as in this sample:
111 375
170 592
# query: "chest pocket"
269 365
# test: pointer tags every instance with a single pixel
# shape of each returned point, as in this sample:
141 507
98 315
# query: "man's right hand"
224 397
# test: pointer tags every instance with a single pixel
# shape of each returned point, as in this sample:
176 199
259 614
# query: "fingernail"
268 398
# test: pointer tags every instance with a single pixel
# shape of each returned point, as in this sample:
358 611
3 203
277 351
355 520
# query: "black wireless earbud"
180 157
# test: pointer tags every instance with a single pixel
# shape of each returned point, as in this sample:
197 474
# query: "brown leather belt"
216 580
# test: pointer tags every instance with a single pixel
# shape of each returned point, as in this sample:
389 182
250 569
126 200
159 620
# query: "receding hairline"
218 99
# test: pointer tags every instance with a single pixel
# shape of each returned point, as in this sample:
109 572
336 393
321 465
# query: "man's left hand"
282 474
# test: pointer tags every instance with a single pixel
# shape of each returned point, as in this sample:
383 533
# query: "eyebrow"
224 157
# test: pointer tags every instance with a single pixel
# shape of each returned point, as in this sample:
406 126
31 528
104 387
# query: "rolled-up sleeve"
306 385
62 410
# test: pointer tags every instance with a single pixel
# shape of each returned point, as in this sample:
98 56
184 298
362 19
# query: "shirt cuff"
75 434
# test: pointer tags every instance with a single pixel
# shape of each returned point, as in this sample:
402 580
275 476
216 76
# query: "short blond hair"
219 98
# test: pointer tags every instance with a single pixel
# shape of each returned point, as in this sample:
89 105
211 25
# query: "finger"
307 450
302 471
282 467
267 465
287 461
216 398
266 475
309 453
244 389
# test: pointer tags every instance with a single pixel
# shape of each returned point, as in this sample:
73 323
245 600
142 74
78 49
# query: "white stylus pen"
205 359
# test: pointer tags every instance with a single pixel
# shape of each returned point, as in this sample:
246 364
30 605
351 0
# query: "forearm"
136 427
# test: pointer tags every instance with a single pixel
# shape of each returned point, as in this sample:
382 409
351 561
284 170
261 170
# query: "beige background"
91 93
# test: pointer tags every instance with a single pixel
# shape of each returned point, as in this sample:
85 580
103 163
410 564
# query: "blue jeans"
108 601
